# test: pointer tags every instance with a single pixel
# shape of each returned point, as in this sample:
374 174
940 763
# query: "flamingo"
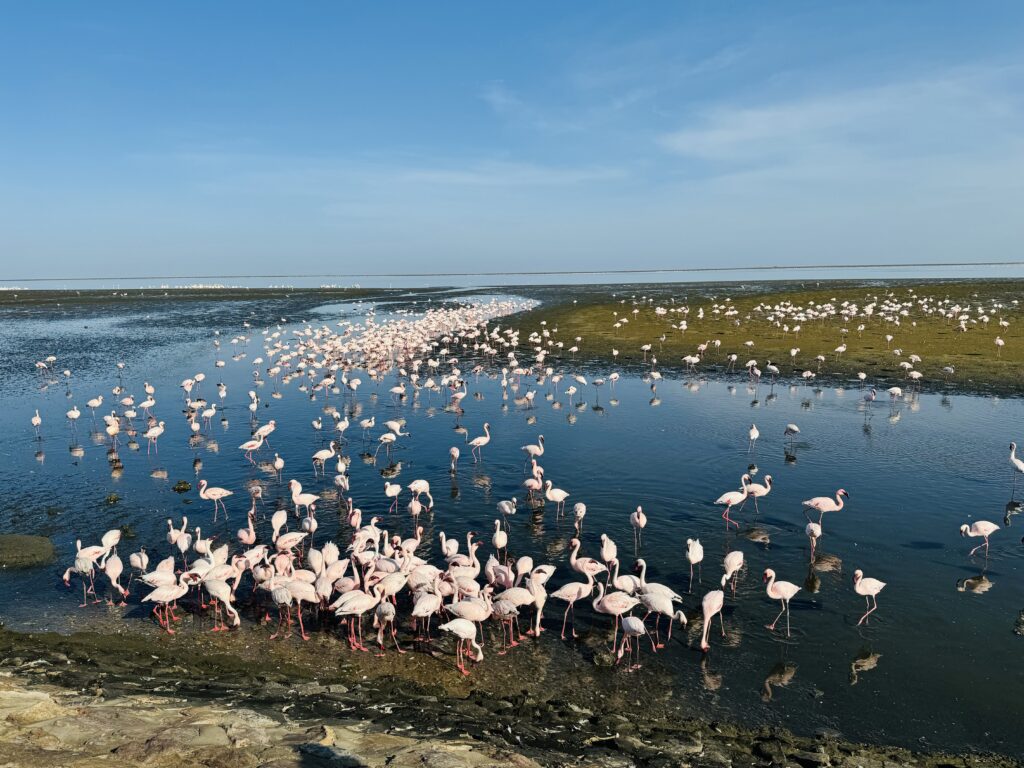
1017 464
614 604
500 539
300 499
556 495
465 631
639 521
477 443
632 629
453 455
661 604
870 589
753 433
579 511
783 591
392 491
710 605
251 446
823 504
981 528
221 594
756 491
534 451
216 495
731 498
813 531
321 457
383 618
733 562
694 554
585 565
570 593
165 596
151 436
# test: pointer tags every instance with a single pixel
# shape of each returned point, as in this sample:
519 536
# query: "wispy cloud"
960 112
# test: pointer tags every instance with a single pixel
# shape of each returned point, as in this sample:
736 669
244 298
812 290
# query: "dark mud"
554 722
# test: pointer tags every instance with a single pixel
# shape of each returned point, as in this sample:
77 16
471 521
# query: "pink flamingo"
870 589
981 528
633 629
570 593
823 504
165 596
585 565
639 521
465 631
710 605
216 495
614 604
731 498
783 591
733 563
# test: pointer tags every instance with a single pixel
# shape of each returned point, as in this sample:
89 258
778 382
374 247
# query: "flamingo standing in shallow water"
614 604
570 593
465 631
694 554
477 443
783 591
1018 466
556 495
731 498
823 504
639 521
981 528
870 589
733 562
710 605
216 495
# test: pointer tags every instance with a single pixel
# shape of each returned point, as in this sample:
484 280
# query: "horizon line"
528 273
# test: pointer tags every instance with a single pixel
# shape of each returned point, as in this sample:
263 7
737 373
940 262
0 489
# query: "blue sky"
258 137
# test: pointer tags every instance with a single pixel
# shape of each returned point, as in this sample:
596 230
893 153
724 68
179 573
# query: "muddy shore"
235 700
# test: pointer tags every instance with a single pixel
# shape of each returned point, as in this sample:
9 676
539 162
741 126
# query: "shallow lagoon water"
948 670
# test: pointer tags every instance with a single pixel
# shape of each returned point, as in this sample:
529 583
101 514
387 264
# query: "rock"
20 551
182 486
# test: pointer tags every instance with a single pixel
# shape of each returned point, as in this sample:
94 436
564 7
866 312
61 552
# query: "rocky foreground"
87 700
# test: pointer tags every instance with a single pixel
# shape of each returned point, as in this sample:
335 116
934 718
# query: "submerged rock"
20 551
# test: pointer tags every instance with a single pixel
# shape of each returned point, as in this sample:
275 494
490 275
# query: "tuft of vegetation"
182 486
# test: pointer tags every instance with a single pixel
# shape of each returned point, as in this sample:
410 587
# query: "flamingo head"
769 574
964 529
842 492
858 575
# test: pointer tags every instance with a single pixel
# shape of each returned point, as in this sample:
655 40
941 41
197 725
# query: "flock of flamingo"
373 572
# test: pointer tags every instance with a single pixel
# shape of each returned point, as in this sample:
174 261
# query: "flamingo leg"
772 625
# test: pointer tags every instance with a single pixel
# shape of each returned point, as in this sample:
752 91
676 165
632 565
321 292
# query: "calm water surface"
949 668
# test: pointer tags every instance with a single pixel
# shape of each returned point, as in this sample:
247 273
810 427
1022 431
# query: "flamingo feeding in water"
710 605
981 528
